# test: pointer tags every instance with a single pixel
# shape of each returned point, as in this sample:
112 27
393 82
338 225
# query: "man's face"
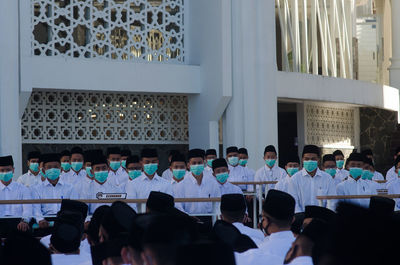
358 164
211 157
114 158
243 156
329 164
178 165
195 161
292 164
397 167
270 155
134 166
99 167
339 157
5 169
232 154
149 160
124 157
50 165
220 170
310 156
88 164
76 158
65 159
368 167
33 160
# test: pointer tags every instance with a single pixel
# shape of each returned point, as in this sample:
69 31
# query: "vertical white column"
254 86
395 67
10 124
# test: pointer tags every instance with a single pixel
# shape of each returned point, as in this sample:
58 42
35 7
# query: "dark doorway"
287 131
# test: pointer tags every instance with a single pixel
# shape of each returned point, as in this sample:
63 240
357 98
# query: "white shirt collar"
305 173
47 183
282 234
3 187
143 177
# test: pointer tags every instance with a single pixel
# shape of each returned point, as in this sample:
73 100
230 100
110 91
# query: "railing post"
255 206
214 211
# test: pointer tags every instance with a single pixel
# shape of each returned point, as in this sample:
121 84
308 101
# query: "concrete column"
251 117
395 66
10 124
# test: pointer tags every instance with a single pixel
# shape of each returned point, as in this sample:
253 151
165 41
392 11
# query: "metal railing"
343 197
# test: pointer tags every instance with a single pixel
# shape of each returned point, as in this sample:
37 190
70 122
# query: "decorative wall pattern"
330 125
95 117
133 30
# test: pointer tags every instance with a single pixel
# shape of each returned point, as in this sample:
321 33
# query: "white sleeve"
331 204
293 190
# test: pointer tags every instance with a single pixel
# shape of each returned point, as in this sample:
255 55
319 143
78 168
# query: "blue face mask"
233 160
197 169
178 173
209 162
243 162
339 163
331 171
101 176
292 170
114 165
88 172
270 162
367 175
6 176
355 172
222 177
123 163
53 173
310 165
65 166
134 174
34 167
76 166
150 169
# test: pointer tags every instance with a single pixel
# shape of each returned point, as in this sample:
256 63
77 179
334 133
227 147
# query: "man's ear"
126 256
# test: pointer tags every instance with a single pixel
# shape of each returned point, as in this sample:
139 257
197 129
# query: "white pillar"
395 66
251 117
10 124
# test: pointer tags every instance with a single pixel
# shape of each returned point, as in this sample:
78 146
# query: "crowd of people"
293 229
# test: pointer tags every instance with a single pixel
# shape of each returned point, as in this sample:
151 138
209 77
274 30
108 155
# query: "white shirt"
283 184
28 179
119 177
174 185
240 174
189 188
270 174
167 174
305 188
302 260
15 191
106 187
391 174
378 176
255 234
208 169
341 173
84 187
68 259
276 246
394 188
228 188
73 178
353 187
45 190
338 178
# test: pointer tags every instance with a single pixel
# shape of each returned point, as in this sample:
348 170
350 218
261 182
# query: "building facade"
187 73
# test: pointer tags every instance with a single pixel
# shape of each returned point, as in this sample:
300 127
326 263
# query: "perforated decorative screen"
330 125
86 117
135 30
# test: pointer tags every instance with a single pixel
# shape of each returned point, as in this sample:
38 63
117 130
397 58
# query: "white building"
199 72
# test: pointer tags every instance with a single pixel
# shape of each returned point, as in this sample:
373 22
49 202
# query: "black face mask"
265 229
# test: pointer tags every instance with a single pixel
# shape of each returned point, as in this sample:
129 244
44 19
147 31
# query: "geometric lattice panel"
330 125
134 30
96 117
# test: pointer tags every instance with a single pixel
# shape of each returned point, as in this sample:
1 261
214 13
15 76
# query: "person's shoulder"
260 170
297 175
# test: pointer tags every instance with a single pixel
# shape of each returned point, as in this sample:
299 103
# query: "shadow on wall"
163 150
379 132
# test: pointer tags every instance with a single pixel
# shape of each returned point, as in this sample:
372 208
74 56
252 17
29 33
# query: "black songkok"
195 153
148 153
159 201
6 161
219 162
76 150
311 149
132 159
269 148
54 157
279 205
321 213
211 152
232 149
233 202
113 151
33 154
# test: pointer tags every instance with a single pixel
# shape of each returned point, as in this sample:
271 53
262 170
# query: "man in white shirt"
292 167
141 187
77 172
341 172
101 184
211 155
329 166
355 185
243 159
368 175
369 155
221 174
271 171
237 173
125 153
167 174
10 190
178 167
52 188
310 182
277 218
394 185
133 167
196 184
65 159
233 210
116 174
85 186
32 177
